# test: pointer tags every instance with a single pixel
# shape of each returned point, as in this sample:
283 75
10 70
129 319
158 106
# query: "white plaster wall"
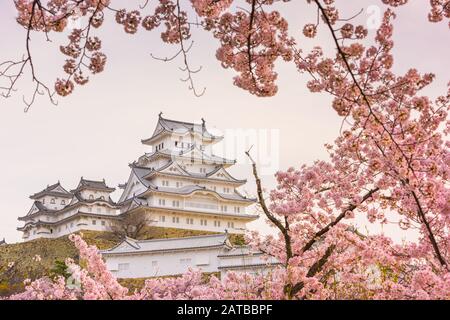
156 220
169 263
69 227
95 194
194 202
58 205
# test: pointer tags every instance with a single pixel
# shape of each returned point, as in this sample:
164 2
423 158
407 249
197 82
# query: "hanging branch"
40 87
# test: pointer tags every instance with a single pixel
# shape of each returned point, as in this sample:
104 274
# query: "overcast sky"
96 132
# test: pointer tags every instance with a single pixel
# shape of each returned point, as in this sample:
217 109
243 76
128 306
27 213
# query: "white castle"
179 184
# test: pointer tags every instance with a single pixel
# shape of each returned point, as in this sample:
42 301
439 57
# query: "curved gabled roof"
142 172
79 201
186 173
189 189
92 185
184 154
132 203
180 127
40 209
69 218
80 198
56 190
129 245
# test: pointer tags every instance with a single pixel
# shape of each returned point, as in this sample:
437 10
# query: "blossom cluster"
251 39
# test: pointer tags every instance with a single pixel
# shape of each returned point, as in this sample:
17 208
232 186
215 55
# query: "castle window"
203 222
237 209
175 219
154 263
189 221
63 202
185 261
202 170
162 202
102 198
103 223
162 218
94 222
175 203
124 266
230 224
216 223
226 190
52 201
91 197
223 208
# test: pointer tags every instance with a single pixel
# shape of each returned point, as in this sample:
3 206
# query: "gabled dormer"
36 209
92 190
222 174
54 190
136 183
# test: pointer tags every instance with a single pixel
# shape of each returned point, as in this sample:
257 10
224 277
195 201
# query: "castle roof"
132 246
92 185
77 200
41 207
36 209
168 126
69 218
79 197
55 190
193 153
185 173
142 172
189 189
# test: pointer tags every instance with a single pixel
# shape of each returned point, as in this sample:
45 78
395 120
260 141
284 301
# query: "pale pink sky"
96 131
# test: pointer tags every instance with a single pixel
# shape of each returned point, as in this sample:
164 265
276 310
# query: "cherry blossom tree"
251 34
391 157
